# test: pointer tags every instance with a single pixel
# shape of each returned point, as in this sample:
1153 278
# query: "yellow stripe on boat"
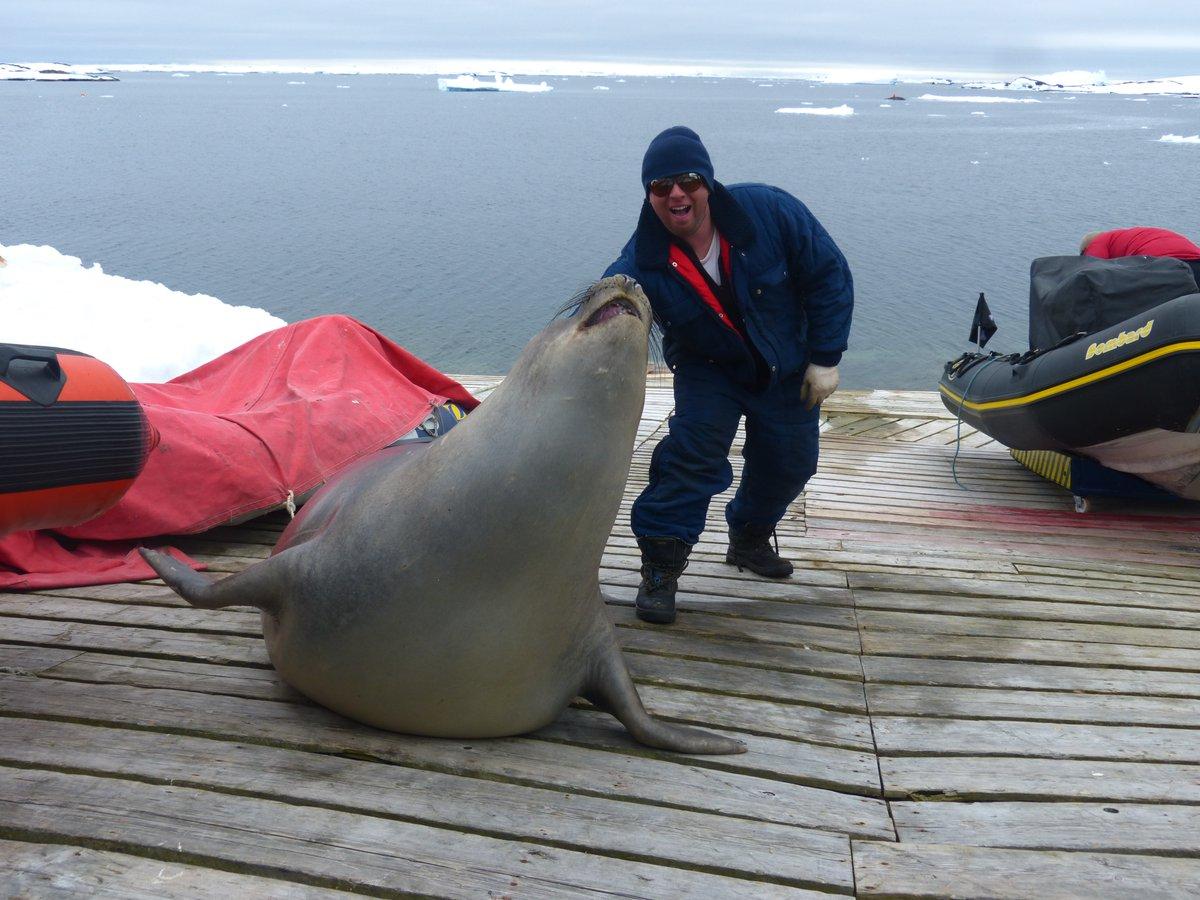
1181 347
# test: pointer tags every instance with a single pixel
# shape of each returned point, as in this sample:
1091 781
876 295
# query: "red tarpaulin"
272 418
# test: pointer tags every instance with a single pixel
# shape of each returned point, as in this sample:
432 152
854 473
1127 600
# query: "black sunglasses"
690 182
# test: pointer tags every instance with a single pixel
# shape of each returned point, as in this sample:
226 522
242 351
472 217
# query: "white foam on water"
143 329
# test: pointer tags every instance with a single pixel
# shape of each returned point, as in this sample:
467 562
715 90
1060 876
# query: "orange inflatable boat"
73 437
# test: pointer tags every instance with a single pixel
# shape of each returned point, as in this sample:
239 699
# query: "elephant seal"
451 588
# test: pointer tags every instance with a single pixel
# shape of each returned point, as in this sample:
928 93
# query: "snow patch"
143 329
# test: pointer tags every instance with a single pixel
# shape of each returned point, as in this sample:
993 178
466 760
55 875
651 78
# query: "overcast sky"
1124 38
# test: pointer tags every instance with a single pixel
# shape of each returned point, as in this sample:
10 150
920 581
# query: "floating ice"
181 74
842 110
498 83
297 82
1179 139
973 99
885 106
600 87
144 330
977 112
52 72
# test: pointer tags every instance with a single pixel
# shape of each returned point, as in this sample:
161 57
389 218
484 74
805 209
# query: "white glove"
819 383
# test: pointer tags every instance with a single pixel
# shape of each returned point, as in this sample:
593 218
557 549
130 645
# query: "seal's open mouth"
618 306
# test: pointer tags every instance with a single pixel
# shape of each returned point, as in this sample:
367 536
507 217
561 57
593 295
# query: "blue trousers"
691 464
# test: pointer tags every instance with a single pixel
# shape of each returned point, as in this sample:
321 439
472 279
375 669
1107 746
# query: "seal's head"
605 337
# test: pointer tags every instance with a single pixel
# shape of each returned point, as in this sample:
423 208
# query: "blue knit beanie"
673 152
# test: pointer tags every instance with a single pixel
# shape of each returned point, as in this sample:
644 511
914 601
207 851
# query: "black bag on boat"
1072 294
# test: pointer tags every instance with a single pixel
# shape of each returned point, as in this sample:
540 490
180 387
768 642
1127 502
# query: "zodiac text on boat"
1125 337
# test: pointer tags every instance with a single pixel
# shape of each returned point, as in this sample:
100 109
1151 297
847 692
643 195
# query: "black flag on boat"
983 326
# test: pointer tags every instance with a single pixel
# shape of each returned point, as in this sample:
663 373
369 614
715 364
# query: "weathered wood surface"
963 691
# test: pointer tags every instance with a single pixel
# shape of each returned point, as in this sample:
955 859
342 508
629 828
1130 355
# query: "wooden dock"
966 689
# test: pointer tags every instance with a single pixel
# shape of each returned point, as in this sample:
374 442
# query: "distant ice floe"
1179 139
939 98
601 87
181 74
144 330
1084 82
297 82
842 110
498 83
52 72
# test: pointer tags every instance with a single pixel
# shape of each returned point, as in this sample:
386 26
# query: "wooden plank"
731 628
950 672
900 735
703 784
1104 827
330 847
1001 649
1043 706
796 612
935 584
876 621
671 642
796 721
185 618
62 870
1032 610
223 648
744 681
735 847
18 660
954 870
975 778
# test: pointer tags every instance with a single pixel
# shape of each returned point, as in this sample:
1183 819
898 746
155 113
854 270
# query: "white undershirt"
712 259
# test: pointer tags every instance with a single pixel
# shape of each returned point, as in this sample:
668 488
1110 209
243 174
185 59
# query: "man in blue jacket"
754 300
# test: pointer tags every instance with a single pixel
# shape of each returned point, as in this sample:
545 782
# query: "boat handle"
43 393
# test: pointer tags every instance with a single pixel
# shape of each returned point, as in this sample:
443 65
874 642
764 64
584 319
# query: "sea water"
457 223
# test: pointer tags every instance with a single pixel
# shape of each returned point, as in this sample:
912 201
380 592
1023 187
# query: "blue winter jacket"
790 281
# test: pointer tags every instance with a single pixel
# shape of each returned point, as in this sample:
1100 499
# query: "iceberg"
842 110
943 99
51 72
498 83
1179 139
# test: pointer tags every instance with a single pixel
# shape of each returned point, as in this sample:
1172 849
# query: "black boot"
663 561
750 548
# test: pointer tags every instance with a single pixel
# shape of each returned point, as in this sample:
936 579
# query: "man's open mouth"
618 306
681 211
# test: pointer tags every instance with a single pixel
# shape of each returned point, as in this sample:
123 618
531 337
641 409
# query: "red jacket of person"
1141 242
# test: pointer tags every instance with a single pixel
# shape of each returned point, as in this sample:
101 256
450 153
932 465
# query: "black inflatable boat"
1126 393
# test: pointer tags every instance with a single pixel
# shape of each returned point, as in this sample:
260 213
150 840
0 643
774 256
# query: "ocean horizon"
457 223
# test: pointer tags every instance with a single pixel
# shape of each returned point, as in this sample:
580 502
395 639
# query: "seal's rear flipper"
612 690
252 587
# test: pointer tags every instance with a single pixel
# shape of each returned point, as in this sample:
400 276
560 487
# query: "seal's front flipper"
611 689
252 587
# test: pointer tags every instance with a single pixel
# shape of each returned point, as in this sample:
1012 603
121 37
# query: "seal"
452 588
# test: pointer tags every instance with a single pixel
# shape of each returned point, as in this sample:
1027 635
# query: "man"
1141 241
754 300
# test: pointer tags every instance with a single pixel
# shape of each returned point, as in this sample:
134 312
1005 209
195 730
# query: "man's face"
681 212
